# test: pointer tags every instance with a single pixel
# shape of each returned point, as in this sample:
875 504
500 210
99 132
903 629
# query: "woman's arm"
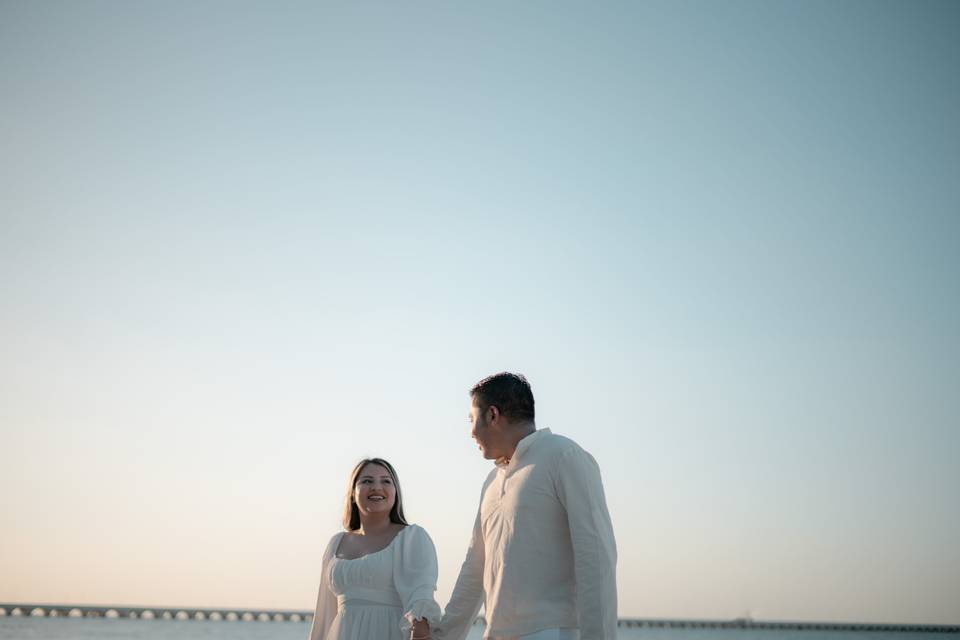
326 602
415 578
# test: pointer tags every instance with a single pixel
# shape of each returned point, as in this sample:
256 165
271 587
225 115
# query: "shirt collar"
522 446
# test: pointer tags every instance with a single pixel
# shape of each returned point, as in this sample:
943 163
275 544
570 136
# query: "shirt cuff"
427 610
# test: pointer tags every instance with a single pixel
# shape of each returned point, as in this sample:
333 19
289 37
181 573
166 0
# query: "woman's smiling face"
374 491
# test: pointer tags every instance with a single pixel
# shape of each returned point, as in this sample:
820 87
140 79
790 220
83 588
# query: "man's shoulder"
556 444
557 451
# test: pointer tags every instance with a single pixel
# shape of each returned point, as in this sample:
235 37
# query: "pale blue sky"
246 244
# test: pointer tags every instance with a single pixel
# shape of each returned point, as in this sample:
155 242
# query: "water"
25 628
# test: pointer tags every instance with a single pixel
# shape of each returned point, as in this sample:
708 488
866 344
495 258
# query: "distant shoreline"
244 614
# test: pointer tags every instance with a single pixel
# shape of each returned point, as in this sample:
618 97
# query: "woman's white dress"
377 596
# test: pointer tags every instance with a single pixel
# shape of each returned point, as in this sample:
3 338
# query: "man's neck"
521 431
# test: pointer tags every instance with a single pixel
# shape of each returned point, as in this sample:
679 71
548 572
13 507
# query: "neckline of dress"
372 553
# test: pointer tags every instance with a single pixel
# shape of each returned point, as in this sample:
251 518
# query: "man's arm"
467 594
580 490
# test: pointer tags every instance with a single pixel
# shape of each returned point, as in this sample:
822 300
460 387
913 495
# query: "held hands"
420 630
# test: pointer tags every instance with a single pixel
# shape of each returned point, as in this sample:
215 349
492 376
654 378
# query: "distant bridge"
291 615
153 613
748 623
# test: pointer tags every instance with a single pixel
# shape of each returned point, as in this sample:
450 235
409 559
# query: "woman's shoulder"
414 545
334 542
414 533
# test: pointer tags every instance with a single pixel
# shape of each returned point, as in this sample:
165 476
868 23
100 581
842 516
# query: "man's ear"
493 413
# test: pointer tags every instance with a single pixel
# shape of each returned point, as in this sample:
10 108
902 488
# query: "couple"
542 558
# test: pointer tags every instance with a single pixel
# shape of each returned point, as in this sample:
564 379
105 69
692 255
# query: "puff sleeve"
326 601
415 578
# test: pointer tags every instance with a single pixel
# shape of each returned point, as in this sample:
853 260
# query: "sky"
245 244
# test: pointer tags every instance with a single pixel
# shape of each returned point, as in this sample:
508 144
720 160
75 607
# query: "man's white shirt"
542 554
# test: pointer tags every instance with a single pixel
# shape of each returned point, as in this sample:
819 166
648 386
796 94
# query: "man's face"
485 429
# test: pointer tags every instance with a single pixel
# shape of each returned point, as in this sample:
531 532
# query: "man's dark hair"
508 392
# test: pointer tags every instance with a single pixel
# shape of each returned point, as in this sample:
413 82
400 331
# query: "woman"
379 575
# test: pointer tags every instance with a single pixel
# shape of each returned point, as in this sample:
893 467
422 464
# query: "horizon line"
735 622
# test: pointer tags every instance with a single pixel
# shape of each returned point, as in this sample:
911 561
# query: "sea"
36 628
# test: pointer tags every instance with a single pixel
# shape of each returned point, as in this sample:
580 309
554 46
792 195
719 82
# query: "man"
542 559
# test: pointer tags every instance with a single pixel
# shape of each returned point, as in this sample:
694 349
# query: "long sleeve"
326 601
580 490
467 594
415 578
